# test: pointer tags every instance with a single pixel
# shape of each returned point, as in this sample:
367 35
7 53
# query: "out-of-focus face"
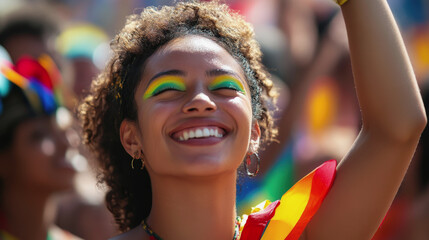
26 45
84 72
194 110
36 158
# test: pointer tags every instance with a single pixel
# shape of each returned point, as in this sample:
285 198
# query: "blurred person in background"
29 32
33 165
86 46
83 212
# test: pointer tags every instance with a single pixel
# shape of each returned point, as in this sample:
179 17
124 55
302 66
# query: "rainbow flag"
287 218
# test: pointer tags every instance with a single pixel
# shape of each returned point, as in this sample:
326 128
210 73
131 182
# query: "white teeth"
217 134
206 132
191 134
200 133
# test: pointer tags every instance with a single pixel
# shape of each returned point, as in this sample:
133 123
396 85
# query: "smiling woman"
185 98
185 94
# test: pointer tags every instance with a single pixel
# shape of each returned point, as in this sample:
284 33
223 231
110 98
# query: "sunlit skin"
208 99
200 171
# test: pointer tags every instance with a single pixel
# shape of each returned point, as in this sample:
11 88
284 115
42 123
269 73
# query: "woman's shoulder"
135 233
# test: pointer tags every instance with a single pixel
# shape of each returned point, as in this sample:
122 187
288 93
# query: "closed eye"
167 87
226 85
226 82
163 84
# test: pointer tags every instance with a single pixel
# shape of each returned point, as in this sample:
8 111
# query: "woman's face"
36 158
194 110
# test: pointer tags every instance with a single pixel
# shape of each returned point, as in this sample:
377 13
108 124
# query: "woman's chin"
209 167
202 166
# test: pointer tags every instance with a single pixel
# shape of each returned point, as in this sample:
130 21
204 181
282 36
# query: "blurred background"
305 49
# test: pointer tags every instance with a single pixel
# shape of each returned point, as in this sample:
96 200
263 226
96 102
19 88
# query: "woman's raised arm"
393 118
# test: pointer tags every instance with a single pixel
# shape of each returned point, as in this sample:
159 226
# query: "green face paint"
163 84
226 82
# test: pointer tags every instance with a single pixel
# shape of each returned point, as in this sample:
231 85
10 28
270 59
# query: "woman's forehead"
191 52
192 44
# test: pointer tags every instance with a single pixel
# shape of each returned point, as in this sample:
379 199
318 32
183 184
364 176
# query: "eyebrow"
219 72
211 73
168 72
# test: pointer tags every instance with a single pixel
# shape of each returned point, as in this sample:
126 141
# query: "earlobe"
255 137
129 137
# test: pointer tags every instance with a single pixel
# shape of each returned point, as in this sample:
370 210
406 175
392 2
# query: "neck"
202 208
28 212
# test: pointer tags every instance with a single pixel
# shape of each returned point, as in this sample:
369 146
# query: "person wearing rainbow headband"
33 163
182 105
33 146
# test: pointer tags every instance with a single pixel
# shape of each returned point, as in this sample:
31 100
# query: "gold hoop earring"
248 163
137 155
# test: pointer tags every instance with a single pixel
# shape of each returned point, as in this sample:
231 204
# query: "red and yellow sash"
287 218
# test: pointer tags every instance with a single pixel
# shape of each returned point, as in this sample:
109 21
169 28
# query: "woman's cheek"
241 105
154 117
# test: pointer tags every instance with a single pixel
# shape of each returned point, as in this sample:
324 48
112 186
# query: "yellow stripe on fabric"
341 2
13 76
290 210
260 206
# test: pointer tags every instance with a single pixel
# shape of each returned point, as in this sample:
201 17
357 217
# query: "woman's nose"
200 102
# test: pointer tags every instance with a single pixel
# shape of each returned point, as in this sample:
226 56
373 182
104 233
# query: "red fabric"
256 222
322 182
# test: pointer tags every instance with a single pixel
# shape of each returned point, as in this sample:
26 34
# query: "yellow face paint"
163 84
226 82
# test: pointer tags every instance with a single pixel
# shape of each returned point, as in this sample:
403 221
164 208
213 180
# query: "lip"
198 123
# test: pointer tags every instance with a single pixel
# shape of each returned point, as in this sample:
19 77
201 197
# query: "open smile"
199 132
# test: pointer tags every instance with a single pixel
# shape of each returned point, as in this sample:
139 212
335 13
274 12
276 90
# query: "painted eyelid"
164 83
230 82
167 86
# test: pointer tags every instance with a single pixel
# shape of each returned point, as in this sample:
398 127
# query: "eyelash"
164 88
226 85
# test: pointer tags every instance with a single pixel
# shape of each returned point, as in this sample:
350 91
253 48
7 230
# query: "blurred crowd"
61 45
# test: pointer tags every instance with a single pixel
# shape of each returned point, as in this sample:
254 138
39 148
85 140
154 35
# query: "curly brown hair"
111 99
